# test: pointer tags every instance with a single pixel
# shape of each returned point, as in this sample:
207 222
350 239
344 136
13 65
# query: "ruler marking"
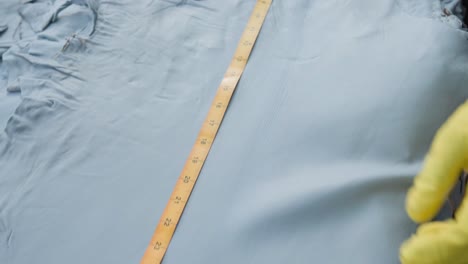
173 211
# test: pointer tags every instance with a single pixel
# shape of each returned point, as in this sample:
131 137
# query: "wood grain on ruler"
184 186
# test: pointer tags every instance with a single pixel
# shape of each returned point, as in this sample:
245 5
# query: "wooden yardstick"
167 224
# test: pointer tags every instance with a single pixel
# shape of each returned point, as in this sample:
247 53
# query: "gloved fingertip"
407 255
436 243
421 249
420 205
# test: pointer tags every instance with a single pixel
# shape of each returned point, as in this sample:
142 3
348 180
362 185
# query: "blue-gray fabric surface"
327 128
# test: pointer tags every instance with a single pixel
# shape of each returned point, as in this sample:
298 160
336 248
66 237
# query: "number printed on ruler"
165 229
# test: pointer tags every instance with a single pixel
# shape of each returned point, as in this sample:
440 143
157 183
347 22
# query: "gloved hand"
440 242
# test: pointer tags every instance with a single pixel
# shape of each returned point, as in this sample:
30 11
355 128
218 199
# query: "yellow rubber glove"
440 242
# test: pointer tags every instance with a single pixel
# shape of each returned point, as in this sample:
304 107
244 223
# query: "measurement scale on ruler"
168 222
